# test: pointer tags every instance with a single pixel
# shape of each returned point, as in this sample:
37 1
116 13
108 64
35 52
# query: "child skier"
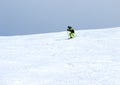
71 32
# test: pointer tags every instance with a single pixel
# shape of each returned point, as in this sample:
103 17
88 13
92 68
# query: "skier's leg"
71 35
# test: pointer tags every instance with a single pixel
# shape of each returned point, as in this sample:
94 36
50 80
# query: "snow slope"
92 58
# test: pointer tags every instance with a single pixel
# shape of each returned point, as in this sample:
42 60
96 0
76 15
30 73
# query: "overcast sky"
43 16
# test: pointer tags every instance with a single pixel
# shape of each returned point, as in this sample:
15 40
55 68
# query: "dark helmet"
69 27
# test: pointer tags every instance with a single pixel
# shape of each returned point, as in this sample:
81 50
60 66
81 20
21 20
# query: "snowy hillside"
92 58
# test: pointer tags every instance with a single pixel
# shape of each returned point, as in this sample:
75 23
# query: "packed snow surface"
91 58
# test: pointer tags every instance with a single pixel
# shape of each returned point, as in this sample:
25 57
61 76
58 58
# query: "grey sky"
39 16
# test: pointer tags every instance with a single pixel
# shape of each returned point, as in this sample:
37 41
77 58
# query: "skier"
71 32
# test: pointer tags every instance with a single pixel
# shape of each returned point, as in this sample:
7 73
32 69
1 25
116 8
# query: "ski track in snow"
91 58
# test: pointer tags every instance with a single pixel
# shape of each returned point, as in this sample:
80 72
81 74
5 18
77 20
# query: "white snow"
92 58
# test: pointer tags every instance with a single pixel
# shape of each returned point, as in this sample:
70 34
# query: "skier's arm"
68 29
